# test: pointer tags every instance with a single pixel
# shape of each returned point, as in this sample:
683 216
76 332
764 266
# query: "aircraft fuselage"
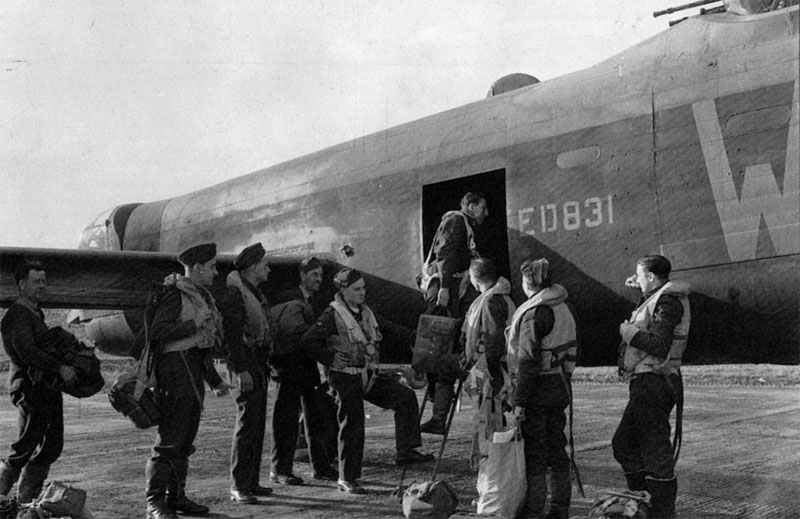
685 145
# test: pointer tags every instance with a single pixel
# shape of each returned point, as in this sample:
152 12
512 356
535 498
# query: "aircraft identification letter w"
761 197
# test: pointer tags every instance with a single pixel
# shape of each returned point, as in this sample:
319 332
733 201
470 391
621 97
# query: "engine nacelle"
111 333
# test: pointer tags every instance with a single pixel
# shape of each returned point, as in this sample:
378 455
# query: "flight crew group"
530 367
344 339
535 345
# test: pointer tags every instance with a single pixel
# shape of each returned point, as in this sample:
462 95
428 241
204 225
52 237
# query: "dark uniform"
452 251
545 347
454 246
641 443
183 362
299 386
32 378
348 382
247 355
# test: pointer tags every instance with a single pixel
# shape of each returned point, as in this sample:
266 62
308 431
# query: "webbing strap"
677 436
577 472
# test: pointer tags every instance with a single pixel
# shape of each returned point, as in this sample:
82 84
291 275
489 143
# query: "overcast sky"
107 102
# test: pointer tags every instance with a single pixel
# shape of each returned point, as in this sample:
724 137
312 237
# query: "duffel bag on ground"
625 504
137 403
430 499
59 500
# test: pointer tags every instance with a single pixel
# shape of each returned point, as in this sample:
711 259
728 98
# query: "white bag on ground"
501 476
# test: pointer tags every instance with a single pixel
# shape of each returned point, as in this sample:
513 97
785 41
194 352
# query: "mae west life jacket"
559 348
359 341
634 360
479 311
256 333
206 317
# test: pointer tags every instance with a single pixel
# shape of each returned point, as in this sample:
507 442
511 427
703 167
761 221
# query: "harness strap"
677 437
192 380
568 387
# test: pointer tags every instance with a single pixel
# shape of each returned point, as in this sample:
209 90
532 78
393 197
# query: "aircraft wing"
122 280
94 279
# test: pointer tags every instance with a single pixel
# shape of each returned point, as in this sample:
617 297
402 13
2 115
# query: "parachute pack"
133 392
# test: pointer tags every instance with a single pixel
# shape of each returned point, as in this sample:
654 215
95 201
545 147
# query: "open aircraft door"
492 237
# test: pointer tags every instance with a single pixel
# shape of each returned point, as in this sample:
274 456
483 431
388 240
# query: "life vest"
206 317
359 341
559 348
256 333
636 361
479 311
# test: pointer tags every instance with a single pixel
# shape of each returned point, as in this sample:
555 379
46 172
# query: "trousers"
386 393
641 442
248 434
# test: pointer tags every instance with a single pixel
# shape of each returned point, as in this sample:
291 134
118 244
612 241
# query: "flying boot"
176 492
442 400
31 481
535 497
662 501
159 474
8 476
560 495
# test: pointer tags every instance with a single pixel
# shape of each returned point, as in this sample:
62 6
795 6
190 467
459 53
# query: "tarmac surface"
740 457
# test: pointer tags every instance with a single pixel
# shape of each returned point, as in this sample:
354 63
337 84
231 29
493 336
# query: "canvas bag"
435 338
133 392
131 397
59 500
626 504
501 476
430 499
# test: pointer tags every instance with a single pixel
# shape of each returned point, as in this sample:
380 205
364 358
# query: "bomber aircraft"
685 145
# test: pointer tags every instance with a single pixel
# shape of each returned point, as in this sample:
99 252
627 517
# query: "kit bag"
625 504
62 345
436 336
131 396
61 500
430 500
501 476
133 392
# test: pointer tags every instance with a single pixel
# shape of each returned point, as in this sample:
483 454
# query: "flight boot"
560 495
31 481
535 497
442 399
158 474
662 497
8 476
176 498
635 480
